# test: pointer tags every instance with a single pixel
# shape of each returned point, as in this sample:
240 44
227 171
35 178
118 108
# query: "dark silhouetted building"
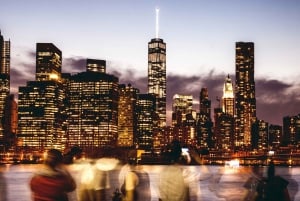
291 130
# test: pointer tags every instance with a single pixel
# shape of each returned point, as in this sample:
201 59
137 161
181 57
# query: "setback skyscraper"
244 93
40 107
157 75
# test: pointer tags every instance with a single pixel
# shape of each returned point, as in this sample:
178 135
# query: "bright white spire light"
157 22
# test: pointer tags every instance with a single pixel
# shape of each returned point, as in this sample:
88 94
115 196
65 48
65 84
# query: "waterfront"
217 183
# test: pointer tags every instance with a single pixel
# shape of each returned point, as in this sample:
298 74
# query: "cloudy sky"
200 37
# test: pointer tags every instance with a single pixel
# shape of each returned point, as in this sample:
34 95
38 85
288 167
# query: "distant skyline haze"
200 38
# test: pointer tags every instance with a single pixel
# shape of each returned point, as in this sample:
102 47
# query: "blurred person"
3 187
53 181
135 183
272 188
172 184
93 183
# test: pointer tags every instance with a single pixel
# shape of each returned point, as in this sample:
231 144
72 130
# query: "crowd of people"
53 182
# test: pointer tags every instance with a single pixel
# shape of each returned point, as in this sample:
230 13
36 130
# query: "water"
215 183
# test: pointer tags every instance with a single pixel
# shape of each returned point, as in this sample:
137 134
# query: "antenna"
157 22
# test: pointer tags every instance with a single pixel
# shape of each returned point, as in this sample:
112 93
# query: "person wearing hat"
52 182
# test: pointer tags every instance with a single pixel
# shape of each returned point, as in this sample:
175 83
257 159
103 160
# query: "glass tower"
228 97
157 76
245 101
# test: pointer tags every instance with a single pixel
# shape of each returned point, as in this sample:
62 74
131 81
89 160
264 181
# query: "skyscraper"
127 117
145 120
4 78
92 110
245 100
48 62
41 116
228 97
157 75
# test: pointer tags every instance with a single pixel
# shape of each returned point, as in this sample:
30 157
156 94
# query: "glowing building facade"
48 62
127 118
145 120
157 76
92 110
228 97
245 101
4 78
96 65
41 114
182 106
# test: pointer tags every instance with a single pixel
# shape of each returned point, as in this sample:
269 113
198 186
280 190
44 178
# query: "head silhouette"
175 153
54 157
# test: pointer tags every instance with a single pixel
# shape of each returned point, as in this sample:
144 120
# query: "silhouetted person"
53 181
274 188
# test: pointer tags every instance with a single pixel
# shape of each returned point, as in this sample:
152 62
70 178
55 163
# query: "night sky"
200 37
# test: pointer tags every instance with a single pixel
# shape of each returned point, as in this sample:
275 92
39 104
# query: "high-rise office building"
245 101
182 106
96 65
260 135
228 97
204 123
92 121
275 136
291 130
145 120
41 115
48 62
4 79
157 74
127 118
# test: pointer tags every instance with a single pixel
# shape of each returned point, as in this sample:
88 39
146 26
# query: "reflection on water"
215 182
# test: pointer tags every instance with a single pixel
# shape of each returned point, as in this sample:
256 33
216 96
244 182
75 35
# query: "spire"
157 23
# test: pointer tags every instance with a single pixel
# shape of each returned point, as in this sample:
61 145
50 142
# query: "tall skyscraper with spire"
157 74
228 97
244 93
4 78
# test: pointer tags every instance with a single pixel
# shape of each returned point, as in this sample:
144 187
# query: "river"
214 183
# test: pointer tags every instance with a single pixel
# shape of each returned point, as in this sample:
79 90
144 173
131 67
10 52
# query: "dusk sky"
200 37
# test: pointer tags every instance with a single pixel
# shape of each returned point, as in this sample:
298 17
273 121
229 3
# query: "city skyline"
196 57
